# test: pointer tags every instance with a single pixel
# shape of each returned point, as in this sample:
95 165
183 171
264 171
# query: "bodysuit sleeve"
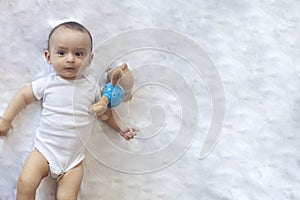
38 87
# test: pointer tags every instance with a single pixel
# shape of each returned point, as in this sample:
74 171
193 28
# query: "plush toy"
117 89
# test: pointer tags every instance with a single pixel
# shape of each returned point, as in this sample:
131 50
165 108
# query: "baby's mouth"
69 68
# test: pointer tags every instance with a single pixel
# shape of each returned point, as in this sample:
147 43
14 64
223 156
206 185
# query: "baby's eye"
79 54
61 53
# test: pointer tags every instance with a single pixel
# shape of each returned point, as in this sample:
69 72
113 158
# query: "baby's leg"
35 169
69 185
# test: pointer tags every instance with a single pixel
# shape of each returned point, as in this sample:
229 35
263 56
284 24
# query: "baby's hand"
129 133
5 126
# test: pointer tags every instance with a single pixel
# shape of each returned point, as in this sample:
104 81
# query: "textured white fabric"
255 46
65 122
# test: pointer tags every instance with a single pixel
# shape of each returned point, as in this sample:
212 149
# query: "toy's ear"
124 66
111 70
115 77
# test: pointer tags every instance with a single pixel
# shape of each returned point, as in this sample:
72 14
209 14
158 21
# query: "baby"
59 151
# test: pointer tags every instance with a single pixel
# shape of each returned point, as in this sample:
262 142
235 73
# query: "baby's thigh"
69 184
34 170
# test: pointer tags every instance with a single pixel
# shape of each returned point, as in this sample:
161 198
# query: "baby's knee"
26 185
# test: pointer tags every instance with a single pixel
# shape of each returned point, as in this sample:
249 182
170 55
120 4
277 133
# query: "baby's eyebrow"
60 47
65 48
81 49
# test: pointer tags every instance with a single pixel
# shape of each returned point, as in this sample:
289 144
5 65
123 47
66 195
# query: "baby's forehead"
61 31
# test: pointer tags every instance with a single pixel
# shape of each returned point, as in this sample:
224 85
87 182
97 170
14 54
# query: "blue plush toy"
114 94
117 90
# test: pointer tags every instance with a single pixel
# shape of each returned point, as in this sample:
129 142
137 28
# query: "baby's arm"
24 97
127 133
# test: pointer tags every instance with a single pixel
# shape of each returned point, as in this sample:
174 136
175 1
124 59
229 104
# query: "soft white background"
255 45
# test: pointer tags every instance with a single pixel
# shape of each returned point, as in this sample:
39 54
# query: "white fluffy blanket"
200 56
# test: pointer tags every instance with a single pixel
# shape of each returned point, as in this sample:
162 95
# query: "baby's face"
69 52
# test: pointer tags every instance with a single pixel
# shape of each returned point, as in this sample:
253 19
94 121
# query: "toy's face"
69 52
126 81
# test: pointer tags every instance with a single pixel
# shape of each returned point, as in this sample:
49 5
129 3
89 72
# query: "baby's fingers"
3 134
3 131
128 135
4 127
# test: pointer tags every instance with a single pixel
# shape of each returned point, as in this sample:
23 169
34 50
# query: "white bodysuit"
65 122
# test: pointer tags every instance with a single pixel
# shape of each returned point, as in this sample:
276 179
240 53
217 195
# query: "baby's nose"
70 57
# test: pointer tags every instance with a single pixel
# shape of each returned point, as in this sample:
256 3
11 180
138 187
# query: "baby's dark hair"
73 26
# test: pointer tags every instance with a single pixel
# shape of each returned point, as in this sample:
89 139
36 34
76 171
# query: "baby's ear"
91 58
47 56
